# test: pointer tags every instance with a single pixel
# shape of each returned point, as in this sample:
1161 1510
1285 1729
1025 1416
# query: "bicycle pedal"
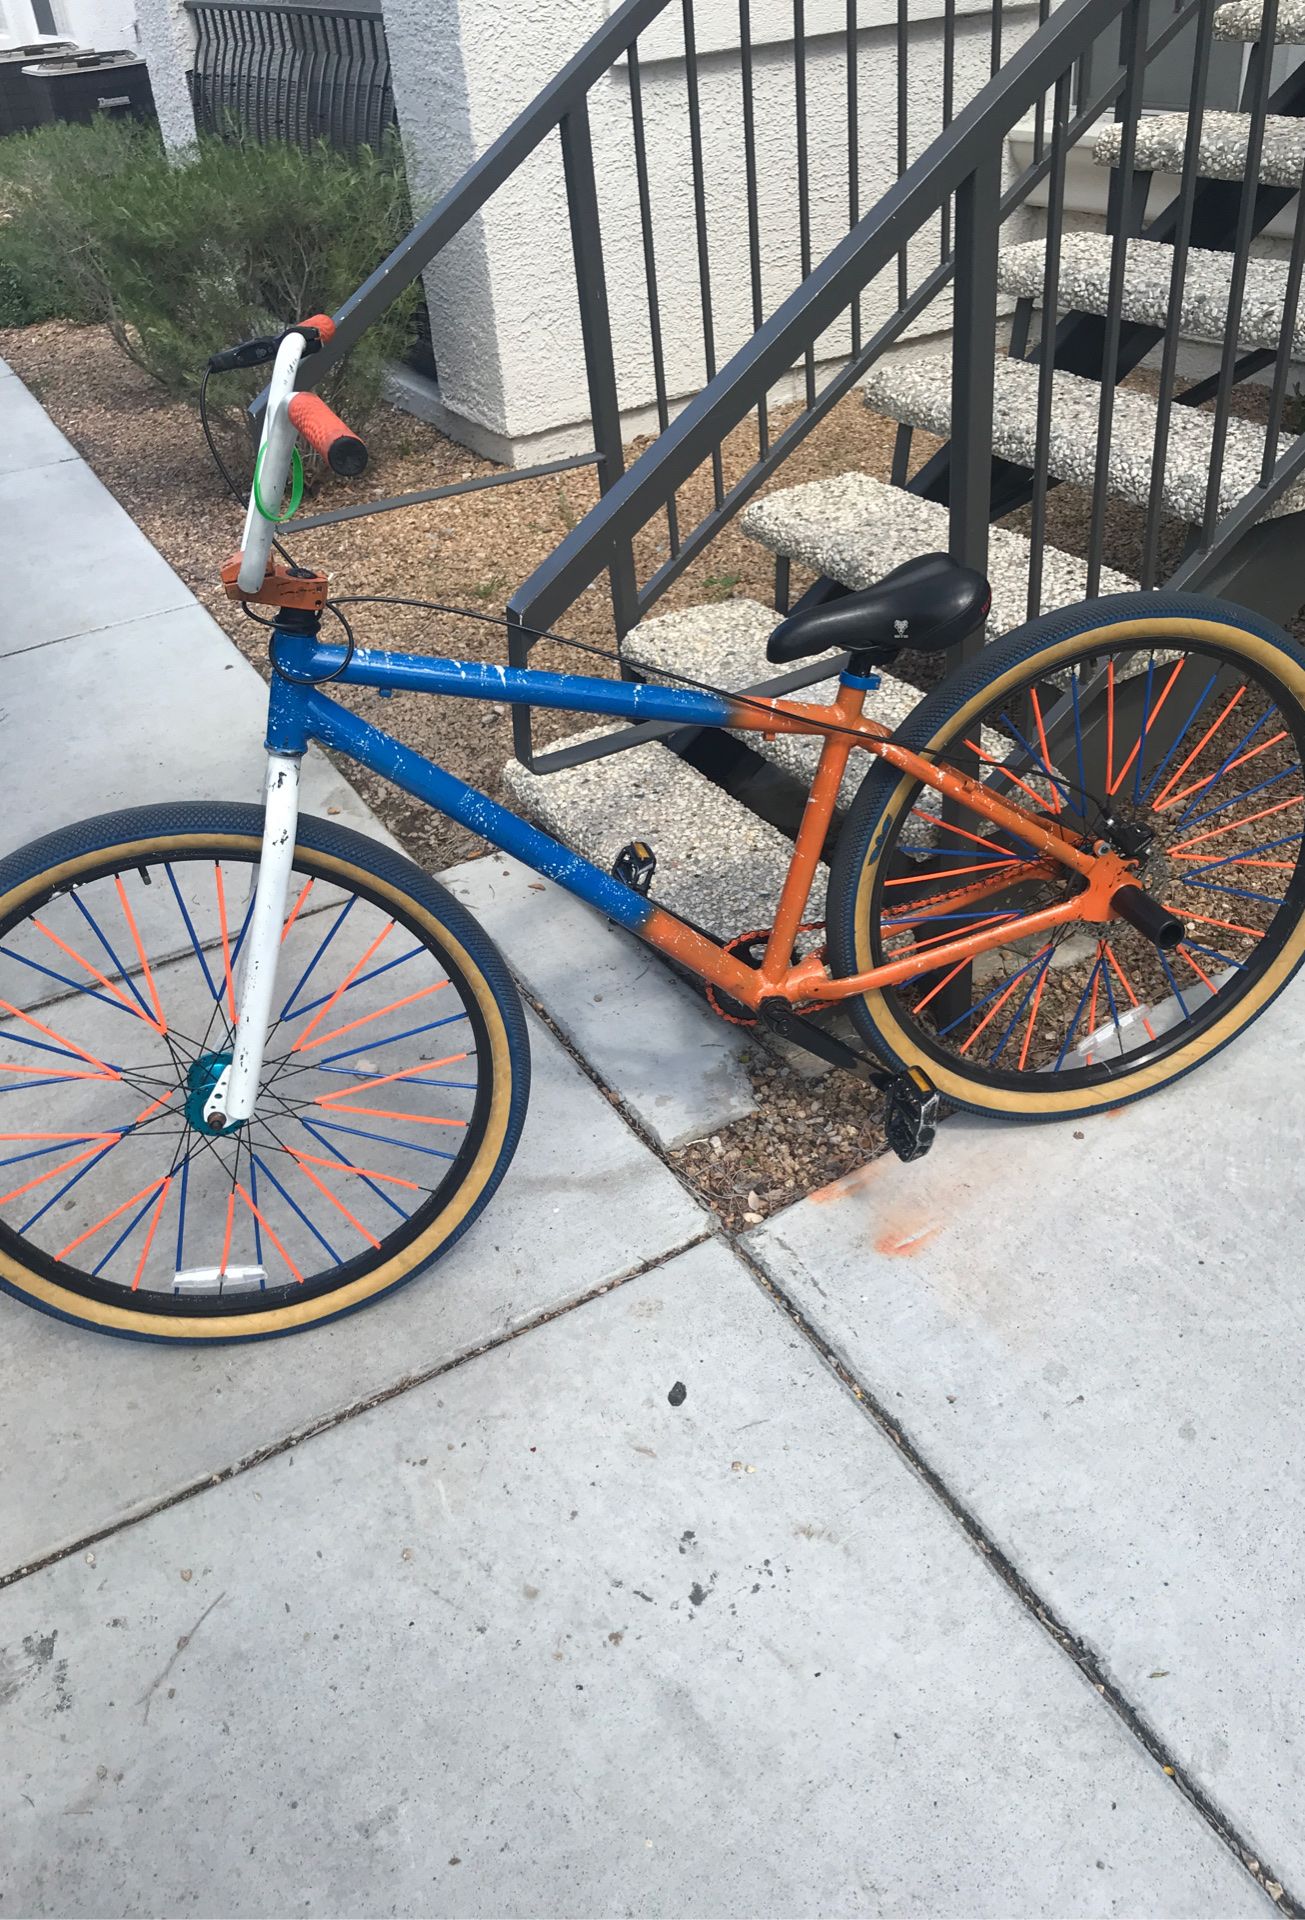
911 1113
635 864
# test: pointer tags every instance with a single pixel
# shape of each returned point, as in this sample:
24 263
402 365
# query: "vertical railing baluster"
1237 281
700 221
1287 350
1047 342
903 144
853 152
974 324
803 172
596 335
754 221
1132 48
650 270
948 100
994 51
1177 282
1040 111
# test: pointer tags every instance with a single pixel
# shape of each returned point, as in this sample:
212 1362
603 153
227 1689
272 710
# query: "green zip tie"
296 488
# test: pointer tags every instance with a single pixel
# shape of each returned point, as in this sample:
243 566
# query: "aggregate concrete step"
726 645
1162 138
1085 286
855 529
919 393
717 863
1243 19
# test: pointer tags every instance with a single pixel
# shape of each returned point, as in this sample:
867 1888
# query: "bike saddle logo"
900 629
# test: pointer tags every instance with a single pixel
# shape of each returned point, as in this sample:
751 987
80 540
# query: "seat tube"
263 940
819 811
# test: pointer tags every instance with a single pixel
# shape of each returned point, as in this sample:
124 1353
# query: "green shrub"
98 223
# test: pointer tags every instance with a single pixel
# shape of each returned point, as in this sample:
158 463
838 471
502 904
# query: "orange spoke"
387 1113
154 1106
337 1204
1202 920
153 1228
69 1045
993 762
104 1133
1150 722
47 1074
80 960
1243 860
344 985
1232 826
294 911
384 1079
950 826
226 938
949 873
1033 1014
1128 989
1240 761
1197 968
941 939
1158 803
130 918
343 1166
117 1212
946 979
999 1003
226 1243
1042 742
352 1025
259 1216
41 1178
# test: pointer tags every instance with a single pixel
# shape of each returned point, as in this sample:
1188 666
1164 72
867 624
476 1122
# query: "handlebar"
327 434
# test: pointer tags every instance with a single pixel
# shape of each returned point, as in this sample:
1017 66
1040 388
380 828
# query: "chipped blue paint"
297 715
479 680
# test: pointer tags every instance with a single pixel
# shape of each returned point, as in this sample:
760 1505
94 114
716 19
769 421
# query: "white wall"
503 305
104 24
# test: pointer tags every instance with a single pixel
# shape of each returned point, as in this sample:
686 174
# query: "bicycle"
259 1070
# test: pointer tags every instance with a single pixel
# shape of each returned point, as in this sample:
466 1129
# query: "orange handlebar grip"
323 323
327 434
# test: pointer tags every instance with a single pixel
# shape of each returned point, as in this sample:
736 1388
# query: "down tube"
335 727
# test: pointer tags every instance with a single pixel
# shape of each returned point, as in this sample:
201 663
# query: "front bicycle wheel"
1169 726
393 1091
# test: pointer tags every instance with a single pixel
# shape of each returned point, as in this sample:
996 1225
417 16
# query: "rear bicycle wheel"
392 1097
1177 718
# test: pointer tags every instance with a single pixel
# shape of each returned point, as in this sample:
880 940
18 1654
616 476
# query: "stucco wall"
503 305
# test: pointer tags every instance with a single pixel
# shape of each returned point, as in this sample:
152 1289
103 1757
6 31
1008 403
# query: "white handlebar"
275 447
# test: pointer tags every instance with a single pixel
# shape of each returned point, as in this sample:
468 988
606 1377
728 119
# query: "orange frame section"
808 980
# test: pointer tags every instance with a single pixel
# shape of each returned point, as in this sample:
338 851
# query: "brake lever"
257 352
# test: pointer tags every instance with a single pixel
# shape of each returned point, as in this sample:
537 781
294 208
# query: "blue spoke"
1249 794
1204 786
56 1080
386 1140
341 1155
194 937
181 1220
974 913
36 1153
985 852
240 941
1187 725
65 1053
410 1080
87 1166
1213 953
1078 1015
1029 991
294 1205
361 981
306 975
1264 846
258 1234
1173 983
126 1233
999 988
1146 727
369 1046
1238 893
1056 779
123 974
68 980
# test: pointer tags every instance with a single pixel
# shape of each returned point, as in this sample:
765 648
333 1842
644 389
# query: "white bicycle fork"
235 1093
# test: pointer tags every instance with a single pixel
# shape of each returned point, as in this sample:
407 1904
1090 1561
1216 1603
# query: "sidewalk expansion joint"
343 1415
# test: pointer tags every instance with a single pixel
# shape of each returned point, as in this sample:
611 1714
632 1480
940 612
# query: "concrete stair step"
1085 286
1243 19
726 645
855 529
717 863
919 393
1162 137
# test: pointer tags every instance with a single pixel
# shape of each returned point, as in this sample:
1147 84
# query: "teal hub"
201 1079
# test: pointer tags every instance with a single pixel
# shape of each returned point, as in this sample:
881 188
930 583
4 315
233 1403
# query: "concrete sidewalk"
571 1580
